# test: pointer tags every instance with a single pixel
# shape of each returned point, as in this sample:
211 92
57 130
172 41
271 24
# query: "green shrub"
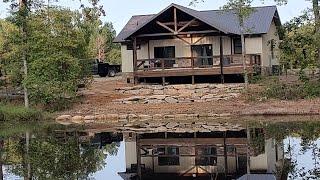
285 91
19 113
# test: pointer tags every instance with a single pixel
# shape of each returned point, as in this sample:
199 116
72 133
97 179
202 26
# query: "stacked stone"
125 118
155 94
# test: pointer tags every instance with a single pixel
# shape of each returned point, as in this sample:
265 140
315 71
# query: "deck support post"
192 79
163 81
138 157
221 60
135 57
225 154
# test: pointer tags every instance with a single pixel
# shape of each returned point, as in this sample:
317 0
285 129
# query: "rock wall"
125 118
186 93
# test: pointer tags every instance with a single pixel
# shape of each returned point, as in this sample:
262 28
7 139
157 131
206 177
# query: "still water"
162 150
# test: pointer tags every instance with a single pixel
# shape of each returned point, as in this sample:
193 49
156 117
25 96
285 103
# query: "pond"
161 150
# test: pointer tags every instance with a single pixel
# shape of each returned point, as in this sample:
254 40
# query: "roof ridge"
231 9
143 15
200 10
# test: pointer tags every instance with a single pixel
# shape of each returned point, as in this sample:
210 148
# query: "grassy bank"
283 89
20 113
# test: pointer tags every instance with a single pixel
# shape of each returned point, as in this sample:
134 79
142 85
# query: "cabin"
202 155
190 46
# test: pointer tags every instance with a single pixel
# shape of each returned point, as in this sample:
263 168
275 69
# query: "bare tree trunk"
245 72
248 150
29 177
1 171
1 163
23 8
315 5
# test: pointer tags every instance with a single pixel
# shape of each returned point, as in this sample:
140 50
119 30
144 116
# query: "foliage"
298 48
293 91
101 41
19 113
10 40
54 157
52 40
52 79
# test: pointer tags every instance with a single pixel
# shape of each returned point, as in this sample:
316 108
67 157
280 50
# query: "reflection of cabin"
182 42
168 155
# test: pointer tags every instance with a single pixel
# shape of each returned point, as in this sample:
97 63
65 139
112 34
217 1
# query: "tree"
1 161
316 14
54 52
242 9
23 9
101 44
245 12
299 45
10 43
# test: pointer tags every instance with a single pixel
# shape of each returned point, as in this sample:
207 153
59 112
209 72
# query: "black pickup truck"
105 69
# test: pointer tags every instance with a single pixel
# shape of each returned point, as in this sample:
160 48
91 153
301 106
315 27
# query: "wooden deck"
192 66
192 71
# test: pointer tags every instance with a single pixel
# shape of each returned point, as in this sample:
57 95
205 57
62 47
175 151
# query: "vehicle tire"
103 74
112 73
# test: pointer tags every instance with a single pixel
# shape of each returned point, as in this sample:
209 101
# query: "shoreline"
133 118
100 99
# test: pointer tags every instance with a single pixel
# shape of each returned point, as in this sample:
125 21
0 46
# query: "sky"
120 11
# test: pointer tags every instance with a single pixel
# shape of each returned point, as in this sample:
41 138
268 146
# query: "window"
168 161
165 52
207 151
231 150
237 46
206 161
206 156
204 51
169 156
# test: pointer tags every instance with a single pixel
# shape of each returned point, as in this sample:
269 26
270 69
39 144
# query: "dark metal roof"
225 21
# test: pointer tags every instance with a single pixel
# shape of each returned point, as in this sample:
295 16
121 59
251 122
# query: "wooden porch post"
192 61
138 157
135 57
221 60
225 154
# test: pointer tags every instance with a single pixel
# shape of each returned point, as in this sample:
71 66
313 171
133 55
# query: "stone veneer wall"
186 93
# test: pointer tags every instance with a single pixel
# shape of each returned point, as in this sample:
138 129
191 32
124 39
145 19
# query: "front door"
203 55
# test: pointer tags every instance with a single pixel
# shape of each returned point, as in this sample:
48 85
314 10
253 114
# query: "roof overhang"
181 8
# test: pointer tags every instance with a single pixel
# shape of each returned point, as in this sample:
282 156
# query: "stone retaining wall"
124 118
186 93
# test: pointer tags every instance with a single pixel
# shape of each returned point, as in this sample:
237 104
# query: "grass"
19 113
274 88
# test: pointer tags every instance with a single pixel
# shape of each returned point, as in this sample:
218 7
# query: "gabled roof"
225 21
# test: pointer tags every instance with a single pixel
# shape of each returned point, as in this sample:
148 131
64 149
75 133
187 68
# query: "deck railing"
195 62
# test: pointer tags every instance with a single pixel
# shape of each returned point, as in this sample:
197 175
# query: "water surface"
161 150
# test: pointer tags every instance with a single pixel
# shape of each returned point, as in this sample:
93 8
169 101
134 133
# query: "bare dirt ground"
97 99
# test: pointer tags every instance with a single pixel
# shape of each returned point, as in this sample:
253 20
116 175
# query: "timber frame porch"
168 27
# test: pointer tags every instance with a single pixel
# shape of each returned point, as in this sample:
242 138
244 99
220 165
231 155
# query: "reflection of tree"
112 149
290 167
309 133
257 141
51 159
314 173
1 158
